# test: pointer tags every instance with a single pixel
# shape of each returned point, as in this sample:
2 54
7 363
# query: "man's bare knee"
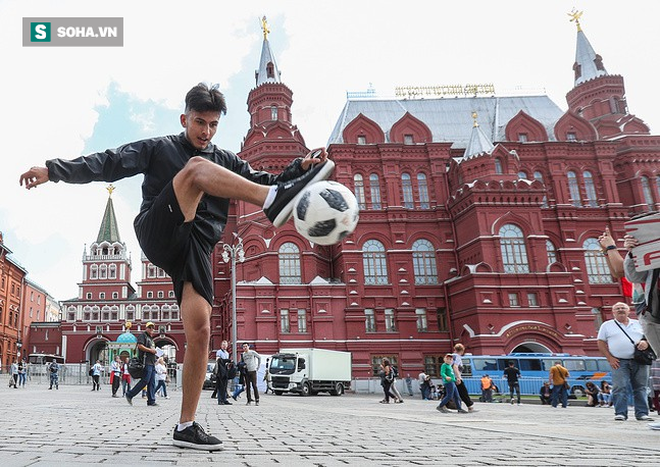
192 172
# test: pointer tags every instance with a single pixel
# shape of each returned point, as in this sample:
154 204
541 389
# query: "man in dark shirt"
146 353
188 183
512 374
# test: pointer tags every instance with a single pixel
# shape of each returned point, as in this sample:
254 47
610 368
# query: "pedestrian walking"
21 373
386 378
97 369
459 350
187 188
449 380
147 354
161 377
512 375
409 384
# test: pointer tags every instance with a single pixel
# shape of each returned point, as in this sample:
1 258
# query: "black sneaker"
282 208
194 437
129 399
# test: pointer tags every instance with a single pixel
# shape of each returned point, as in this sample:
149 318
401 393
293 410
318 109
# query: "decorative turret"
107 267
599 97
479 143
269 104
268 71
109 232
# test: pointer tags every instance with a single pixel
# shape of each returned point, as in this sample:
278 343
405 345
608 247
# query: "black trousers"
251 380
221 389
116 379
463 393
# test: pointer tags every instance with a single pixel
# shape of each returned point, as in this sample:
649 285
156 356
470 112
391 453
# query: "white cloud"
49 95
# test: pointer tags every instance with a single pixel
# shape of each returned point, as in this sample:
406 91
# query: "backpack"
395 371
231 371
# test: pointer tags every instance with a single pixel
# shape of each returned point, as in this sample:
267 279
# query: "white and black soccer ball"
326 212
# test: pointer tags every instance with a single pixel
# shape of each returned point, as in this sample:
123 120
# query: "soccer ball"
326 212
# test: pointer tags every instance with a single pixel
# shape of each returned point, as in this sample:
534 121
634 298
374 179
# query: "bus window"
466 369
547 364
530 364
604 365
484 364
574 365
591 365
503 363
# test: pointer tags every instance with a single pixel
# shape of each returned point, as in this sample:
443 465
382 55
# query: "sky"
67 102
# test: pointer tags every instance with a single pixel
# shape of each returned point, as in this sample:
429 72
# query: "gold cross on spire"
264 28
110 189
575 17
474 116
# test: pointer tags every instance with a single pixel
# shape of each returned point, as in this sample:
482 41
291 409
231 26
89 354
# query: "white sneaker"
620 418
654 426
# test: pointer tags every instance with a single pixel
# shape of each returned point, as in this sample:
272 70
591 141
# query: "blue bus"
534 369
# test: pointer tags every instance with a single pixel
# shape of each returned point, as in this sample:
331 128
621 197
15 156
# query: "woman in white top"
161 376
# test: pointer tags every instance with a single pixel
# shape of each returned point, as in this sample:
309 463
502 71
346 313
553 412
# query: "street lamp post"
233 253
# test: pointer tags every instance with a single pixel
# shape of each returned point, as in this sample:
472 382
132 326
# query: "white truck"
310 371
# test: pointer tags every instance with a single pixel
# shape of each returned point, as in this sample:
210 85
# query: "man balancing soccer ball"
188 182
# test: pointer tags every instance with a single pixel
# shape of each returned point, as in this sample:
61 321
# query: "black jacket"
160 159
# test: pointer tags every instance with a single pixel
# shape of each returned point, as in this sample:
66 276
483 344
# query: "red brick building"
12 280
107 300
479 223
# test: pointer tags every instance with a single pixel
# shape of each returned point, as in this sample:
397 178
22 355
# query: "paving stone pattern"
75 426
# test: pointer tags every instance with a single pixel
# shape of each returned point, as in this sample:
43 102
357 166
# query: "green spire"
109 232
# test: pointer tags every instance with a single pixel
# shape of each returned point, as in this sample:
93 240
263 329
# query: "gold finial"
575 17
474 116
128 325
110 189
264 28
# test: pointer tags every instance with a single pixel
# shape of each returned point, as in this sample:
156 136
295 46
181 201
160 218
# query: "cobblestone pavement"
75 426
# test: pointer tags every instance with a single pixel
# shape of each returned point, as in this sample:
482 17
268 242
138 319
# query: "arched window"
103 271
646 189
406 186
522 175
498 166
130 313
590 189
114 313
423 191
165 312
358 183
94 271
112 272
597 270
374 262
175 312
289 256
95 313
71 313
374 188
539 176
657 184
151 271
424 263
574 189
514 252
551 251
273 112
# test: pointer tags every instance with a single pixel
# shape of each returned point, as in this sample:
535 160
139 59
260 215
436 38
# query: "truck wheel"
306 390
338 390
278 393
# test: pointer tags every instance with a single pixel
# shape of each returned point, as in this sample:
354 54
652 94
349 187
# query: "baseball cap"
151 325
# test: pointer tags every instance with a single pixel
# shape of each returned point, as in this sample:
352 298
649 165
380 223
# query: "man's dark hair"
511 363
203 98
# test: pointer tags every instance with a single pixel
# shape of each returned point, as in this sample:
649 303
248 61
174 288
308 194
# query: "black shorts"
176 246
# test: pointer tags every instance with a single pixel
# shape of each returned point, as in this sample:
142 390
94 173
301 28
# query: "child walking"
449 380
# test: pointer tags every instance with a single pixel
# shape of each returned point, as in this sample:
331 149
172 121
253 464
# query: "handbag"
643 357
136 366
